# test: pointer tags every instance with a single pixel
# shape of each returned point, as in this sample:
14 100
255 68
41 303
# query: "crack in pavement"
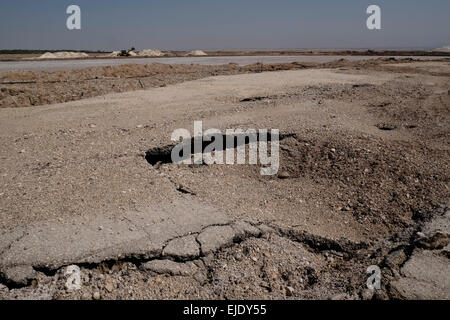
177 246
4 247
139 235
422 272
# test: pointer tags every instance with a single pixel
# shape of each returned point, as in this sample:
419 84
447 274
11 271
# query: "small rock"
116 267
19 275
420 235
275 276
238 256
395 258
446 251
96 295
169 267
436 241
290 291
284 175
109 286
208 259
158 279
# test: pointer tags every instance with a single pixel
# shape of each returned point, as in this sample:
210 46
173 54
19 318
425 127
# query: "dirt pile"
114 54
443 49
198 53
151 53
63 55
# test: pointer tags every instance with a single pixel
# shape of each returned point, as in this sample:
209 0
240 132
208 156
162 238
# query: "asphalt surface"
76 189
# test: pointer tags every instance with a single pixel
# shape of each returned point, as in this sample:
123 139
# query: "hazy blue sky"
230 24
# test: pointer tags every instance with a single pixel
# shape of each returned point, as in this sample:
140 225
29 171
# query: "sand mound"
114 54
443 49
197 53
63 55
150 53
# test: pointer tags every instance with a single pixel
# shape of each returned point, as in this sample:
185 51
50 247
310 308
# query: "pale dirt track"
71 64
365 170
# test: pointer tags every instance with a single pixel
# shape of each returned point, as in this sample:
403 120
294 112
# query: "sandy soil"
34 88
364 168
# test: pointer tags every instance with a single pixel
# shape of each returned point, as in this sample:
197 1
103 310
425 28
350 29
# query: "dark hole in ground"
363 85
183 190
386 127
254 99
160 155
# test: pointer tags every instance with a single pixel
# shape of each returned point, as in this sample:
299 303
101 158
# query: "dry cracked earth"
363 181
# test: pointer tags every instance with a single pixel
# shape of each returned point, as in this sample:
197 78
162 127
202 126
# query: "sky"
230 24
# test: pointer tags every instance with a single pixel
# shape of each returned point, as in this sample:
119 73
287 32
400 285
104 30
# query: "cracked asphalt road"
76 188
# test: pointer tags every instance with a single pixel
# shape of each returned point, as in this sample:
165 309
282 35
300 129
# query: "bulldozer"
127 53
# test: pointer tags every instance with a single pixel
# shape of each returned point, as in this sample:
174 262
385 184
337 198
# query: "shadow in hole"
161 155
